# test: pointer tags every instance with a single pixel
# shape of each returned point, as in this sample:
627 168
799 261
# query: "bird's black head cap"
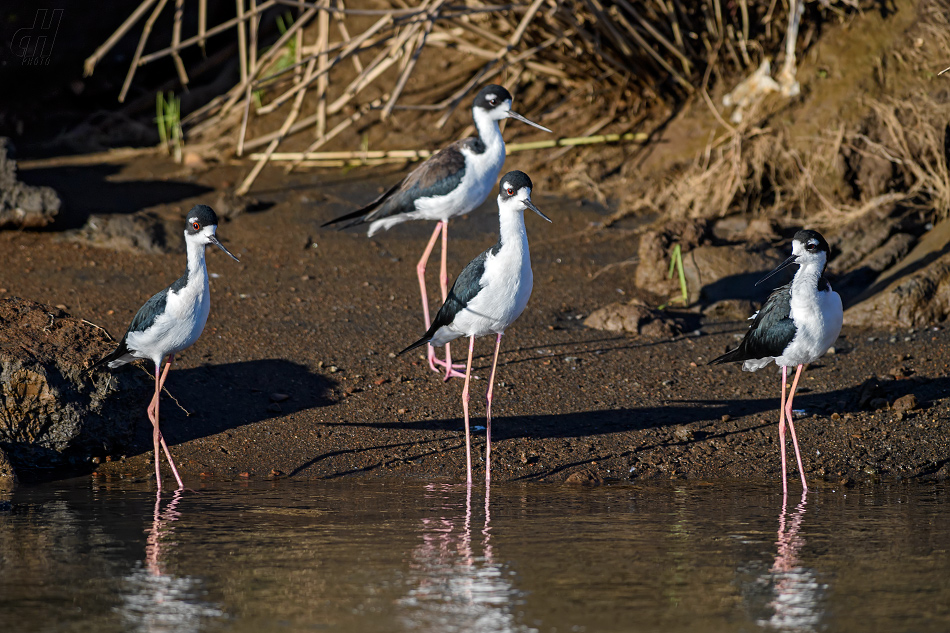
512 183
491 96
812 241
200 216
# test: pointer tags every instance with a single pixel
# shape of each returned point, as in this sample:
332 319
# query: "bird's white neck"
512 232
196 260
806 278
489 132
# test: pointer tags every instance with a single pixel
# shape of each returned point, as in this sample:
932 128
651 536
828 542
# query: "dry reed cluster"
333 64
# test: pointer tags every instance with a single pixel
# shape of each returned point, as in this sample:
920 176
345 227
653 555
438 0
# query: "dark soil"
295 374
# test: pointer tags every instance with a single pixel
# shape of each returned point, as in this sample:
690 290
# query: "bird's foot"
451 369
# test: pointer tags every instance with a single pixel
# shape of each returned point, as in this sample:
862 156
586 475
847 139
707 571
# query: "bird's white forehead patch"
491 96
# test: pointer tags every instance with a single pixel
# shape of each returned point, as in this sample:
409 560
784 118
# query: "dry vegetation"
333 70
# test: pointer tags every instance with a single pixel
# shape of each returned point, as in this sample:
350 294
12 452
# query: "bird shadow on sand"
677 412
223 397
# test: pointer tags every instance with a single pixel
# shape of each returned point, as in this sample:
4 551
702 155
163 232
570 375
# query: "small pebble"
279 397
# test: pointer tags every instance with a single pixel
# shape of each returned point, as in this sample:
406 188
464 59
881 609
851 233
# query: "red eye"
195 226
511 191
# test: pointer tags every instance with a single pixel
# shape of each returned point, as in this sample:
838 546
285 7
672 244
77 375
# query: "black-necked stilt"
172 319
451 183
489 294
796 326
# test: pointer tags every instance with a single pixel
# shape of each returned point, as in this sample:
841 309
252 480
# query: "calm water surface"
304 556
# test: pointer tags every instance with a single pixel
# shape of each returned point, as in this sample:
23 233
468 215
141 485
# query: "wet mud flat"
295 374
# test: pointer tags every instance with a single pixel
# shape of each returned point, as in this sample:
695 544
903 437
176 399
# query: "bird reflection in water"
154 600
457 585
795 605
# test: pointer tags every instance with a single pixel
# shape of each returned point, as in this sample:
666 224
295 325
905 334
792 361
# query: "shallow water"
304 556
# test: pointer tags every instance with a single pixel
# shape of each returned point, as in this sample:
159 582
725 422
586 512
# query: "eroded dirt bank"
294 375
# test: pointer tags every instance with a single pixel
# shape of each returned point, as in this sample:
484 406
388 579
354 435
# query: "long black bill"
788 262
215 241
531 206
515 115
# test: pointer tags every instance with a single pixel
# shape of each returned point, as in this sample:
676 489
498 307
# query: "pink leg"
781 432
450 369
791 426
465 399
160 384
491 384
421 274
156 436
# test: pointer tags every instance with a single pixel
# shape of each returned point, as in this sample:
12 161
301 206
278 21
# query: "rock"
730 310
634 317
889 253
654 253
905 403
8 476
856 240
760 231
682 434
137 233
715 273
279 397
52 413
23 206
584 477
913 293
229 205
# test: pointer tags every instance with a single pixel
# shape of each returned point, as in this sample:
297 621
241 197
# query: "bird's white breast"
180 325
506 287
818 316
480 178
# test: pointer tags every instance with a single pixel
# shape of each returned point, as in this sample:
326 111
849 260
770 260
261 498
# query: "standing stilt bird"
489 294
796 326
451 183
172 320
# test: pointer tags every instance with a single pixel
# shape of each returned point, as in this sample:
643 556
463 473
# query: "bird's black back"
439 175
466 286
771 330
142 320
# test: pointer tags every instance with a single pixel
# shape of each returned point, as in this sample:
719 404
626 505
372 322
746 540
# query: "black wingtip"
728 357
419 343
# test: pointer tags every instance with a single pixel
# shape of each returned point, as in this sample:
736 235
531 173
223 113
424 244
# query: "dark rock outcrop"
914 292
52 413
634 317
23 206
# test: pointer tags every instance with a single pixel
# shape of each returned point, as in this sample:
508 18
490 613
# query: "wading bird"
489 294
451 183
172 320
796 326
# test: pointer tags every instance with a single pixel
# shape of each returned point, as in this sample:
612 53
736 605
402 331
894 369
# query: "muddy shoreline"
294 375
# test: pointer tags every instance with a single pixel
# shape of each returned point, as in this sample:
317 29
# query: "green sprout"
676 263
168 120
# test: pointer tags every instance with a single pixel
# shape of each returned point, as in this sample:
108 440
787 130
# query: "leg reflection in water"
456 583
796 591
155 600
